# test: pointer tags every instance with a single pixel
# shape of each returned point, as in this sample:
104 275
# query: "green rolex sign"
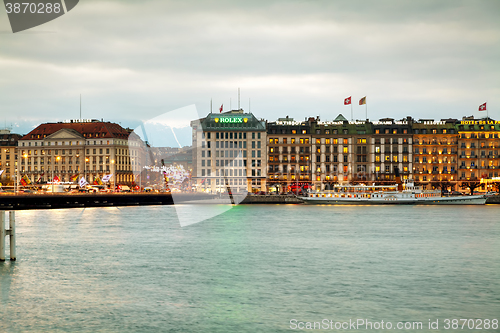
232 120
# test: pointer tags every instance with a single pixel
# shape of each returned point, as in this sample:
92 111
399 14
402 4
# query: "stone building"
229 149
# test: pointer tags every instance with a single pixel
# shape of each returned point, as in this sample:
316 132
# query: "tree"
496 186
442 185
471 185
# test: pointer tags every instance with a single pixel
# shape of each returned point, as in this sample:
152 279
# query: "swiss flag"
220 109
56 179
347 101
482 107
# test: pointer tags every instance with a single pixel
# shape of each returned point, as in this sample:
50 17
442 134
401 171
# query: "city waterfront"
135 269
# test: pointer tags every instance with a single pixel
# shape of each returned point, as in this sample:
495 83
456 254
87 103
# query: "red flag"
40 178
347 101
482 107
220 109
56 179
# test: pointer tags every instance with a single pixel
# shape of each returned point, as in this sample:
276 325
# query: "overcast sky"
136 60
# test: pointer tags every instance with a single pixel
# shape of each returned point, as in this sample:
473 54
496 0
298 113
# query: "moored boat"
400 193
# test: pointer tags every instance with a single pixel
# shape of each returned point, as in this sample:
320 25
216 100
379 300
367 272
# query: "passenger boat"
400 193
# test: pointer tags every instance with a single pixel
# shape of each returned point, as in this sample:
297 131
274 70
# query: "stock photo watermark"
24 15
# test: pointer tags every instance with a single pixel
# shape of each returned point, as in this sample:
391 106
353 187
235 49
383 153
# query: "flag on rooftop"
362 101
482 107
347 101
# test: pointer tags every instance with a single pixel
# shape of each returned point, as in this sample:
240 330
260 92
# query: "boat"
399 194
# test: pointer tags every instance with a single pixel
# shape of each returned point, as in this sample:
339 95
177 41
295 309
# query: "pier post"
8 232
12 227
2 235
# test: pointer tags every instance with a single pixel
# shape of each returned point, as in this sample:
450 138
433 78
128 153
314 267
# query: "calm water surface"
250 269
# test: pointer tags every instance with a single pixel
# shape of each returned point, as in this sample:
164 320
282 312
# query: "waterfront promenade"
75 200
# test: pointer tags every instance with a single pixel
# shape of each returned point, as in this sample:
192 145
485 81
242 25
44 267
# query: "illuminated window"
387 158
377 158
306 141
304 132
271 150
377 131
377 169
335 141
276 141
346 141
284 140
318 178
346 150
293 140
377 150
318 141
405 159
394 158
327 141
301 141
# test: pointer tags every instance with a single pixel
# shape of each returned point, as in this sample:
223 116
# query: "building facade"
88 148
289 153
436 154
478 149
229 150
8 156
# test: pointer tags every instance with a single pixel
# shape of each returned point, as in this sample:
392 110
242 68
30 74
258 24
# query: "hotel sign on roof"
479 122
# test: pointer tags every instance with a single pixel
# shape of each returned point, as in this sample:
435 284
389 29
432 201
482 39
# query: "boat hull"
465 200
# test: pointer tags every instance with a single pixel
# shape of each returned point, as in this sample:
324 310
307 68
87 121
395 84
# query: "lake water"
253 268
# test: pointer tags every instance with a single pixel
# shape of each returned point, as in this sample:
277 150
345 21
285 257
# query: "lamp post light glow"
113 174
57 160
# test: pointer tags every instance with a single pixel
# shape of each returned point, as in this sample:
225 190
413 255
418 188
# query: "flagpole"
366 110
352 119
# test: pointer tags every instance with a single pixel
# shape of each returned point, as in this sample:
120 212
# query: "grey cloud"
135 59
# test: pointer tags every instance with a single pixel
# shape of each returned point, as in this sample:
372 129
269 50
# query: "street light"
113 174
57 160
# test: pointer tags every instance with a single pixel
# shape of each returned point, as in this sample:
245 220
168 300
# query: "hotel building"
8 156
289 153
89 148
229 149
323 153
435 151
478 149
391 147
